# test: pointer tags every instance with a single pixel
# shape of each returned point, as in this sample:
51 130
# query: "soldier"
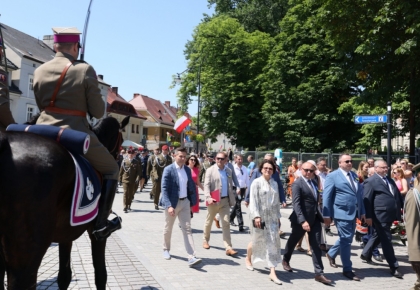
6 117
130 174
65 91
155 168
209 161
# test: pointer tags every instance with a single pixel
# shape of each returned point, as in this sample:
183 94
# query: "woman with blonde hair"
362 171
400 181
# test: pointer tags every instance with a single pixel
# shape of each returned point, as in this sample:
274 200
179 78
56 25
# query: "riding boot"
416 268
104 227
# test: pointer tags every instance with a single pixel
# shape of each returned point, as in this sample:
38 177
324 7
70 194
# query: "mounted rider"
66 106
6 117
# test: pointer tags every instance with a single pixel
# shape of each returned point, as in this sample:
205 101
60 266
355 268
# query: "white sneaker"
166 255
193 261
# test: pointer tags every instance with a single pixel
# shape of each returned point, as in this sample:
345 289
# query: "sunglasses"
218 158
268 168
348 161
195 160
308 170
394 172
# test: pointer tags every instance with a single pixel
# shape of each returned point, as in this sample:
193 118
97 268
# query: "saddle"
87 183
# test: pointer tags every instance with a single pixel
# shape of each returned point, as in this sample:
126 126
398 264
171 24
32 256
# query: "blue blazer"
275 176
170 187
339 199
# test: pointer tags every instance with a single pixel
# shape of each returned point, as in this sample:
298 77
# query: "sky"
138 45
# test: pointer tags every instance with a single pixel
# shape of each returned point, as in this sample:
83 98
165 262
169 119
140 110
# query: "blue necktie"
351 182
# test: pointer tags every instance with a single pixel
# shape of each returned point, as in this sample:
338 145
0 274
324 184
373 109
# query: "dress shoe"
282 234
367 260
156 207
329 233
378 258
125 210
249 266
275 280
322 279
216 222
331 260
166 255
233 224
231 252
151 196
241 229
396 273
351 276
286 266
323 247
206 245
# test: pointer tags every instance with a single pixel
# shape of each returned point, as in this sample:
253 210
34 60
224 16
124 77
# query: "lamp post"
388 123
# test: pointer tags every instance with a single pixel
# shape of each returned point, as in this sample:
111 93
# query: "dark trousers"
314 240
367 237
237 209
382 234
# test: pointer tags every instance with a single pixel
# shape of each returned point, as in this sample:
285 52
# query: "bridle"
117 144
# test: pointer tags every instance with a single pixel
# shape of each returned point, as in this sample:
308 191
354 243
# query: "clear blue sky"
136 44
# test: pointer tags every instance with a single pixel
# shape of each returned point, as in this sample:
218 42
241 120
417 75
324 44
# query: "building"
119 108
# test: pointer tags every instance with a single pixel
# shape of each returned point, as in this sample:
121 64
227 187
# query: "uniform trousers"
129 191
223 209
182 211
6 117
156 189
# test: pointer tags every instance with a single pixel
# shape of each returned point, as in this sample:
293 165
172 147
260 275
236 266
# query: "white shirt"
243 177
182 180
322 176
356 184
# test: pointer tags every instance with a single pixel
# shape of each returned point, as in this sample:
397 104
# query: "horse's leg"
2 269
98 257
64 272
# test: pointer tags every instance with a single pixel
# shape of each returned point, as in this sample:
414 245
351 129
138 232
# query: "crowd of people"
321 198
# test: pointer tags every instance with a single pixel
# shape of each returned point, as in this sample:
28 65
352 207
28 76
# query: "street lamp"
388 157
214 113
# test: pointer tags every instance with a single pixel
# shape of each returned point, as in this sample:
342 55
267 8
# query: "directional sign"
370 119
189 144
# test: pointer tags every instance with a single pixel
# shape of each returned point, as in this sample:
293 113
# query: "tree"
304 85
226 61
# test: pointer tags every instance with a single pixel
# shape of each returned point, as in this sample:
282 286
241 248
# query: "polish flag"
181 123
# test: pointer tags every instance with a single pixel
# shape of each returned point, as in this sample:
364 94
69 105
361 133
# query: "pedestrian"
383 203
412 226
342 201
264 208
6 117
130 174
251 165
243 179
306 218
144 159
178 196
67 107
155 166
192 163
219 181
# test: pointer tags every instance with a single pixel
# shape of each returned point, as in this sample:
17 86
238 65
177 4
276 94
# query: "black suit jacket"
380 203
305 206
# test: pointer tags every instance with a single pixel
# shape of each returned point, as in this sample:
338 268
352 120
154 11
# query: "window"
31 82
132 128
30 112
137 129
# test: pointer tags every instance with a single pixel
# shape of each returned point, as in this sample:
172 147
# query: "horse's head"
108 131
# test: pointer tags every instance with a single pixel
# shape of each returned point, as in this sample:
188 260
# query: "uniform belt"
182 198
224 197
65 111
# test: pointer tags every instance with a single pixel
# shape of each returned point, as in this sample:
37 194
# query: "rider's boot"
104 227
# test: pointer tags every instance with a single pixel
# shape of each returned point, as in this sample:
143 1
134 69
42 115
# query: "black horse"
36 186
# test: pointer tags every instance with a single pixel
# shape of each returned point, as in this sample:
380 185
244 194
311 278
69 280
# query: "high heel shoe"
275 280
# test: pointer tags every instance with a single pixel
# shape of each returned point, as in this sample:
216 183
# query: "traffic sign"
370 119
189 144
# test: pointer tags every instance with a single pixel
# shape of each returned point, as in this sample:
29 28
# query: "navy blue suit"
275 176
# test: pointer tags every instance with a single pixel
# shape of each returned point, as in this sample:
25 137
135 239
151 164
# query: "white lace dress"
264 202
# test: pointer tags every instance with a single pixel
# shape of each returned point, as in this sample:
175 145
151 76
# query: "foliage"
176 144
199 138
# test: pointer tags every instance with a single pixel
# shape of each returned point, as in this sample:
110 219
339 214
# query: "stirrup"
112 225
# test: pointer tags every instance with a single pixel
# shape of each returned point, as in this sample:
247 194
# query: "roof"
155 108
26 45
116 104
14 89
11 65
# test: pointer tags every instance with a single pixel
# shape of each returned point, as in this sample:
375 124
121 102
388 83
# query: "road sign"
189 144
370 119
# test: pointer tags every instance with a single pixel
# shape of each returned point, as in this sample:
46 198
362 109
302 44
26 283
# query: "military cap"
66 34
165 147
130 151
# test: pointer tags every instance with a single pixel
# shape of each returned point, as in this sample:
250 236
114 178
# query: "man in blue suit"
342 201
178 195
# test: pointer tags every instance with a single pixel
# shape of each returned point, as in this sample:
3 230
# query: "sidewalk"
134 259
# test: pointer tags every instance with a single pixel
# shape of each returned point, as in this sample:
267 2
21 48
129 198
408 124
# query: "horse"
36 187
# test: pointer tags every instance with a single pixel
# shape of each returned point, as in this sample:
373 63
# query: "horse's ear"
124 122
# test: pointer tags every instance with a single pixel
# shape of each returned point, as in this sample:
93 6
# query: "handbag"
262 224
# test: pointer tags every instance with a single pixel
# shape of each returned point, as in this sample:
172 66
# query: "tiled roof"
116 104
26 45
154 107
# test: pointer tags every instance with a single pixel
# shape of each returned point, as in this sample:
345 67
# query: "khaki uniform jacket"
134 172
156 164
212 182
4 87
412 226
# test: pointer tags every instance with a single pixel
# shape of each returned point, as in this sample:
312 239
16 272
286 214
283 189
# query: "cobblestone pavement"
134 259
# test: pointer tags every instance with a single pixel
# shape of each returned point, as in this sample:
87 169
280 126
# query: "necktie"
312 187
351 182
387 184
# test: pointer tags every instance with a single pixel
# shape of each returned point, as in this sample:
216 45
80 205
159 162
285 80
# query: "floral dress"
265 203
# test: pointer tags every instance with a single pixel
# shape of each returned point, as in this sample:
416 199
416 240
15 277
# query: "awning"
128 143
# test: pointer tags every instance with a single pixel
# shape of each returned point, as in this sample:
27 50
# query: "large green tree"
224 64
304 86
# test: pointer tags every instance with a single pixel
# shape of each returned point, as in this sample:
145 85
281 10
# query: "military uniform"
6 117
130 174
155 166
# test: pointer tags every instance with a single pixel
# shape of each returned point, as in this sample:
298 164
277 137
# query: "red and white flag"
181 123
221 146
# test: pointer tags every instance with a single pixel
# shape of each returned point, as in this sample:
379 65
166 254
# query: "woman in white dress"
264 206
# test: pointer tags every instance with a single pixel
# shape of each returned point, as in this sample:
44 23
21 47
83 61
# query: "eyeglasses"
308 170
348 161
267 168
193 160
398 166
218 158
394 172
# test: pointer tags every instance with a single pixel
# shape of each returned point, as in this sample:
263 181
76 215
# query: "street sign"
370 119
189 144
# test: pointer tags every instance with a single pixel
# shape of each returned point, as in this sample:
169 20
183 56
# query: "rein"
117 143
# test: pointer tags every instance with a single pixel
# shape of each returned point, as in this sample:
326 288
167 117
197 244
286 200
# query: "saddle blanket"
87 191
